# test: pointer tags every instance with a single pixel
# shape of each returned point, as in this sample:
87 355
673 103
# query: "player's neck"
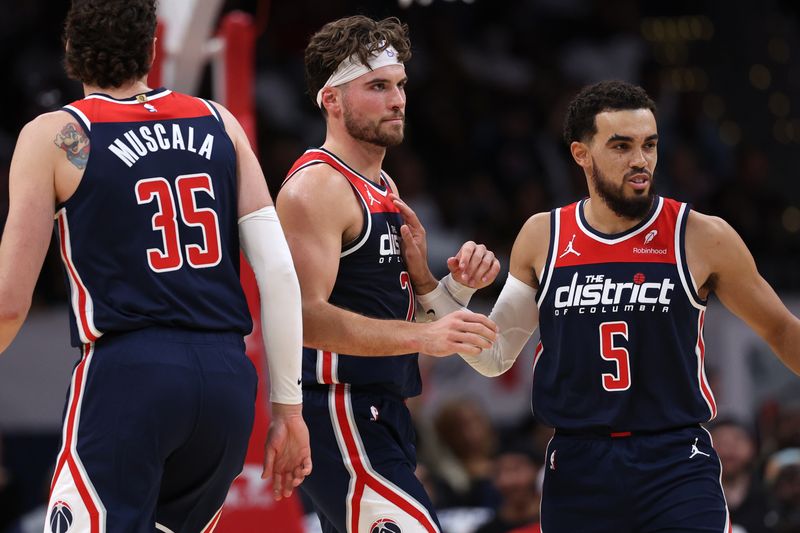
603 219
126 90
363 157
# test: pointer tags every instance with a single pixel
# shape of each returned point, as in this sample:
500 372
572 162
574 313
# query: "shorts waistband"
181 335
617 434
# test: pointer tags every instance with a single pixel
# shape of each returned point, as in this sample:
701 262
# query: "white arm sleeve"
448 296
264 245
516 316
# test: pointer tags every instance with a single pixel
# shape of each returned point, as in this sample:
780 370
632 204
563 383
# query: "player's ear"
580 153
331 100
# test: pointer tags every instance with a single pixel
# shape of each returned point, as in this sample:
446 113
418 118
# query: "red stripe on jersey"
327 367
171 106
80 312
376 200
704 386
653 243
363 477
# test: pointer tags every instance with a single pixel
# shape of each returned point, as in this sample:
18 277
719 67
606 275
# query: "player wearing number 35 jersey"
153 193
617 284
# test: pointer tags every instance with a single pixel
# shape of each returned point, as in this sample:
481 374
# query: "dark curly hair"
580 125
340 39
109 42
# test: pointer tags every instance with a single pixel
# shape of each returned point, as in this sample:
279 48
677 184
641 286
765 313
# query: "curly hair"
340 39
109 42
580 125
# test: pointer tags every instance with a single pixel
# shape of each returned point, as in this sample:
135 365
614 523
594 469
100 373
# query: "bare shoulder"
318 190
530 249
232 126
710 236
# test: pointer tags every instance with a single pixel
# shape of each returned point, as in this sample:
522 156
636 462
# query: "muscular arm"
721 263
29 226
515 312
319 211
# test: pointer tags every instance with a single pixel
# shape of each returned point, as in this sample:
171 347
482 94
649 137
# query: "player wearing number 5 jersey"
153 192
618 284
360 255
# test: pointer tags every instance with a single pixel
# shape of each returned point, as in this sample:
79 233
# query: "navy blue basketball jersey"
150 236
621 327
371 281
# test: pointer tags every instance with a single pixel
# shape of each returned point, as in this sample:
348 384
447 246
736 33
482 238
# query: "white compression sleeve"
448 296
264 245
516 316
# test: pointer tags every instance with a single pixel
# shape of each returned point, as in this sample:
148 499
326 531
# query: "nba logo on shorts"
60 517
384 525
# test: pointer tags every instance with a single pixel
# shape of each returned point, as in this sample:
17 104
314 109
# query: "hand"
287 457
459 332
414 247
474 266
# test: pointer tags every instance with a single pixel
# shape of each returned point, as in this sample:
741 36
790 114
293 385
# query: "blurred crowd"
488 84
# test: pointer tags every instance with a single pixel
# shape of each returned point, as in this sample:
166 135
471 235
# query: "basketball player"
618 284
347 234
146 187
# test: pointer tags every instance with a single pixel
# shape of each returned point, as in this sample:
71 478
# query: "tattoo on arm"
73 140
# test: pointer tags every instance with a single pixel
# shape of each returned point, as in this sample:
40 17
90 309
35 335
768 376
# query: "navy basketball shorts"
364 460
155 430
666 482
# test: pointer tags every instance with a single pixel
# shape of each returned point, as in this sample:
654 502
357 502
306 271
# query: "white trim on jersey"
369 182
702 379
212 109
162 527
133 101
367 231
679 260
77 288
363 458
321 366
592 235
212 524
84 118
547 270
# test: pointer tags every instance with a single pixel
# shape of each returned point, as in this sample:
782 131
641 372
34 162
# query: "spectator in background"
782 474
464 469
746 496
516 476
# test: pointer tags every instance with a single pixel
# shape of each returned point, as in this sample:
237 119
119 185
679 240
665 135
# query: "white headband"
352 68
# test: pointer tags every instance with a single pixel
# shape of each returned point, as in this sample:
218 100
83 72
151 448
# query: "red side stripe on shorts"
363 476
66 457
213 523
327 367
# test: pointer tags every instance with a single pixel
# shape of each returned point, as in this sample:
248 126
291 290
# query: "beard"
633 208
377 133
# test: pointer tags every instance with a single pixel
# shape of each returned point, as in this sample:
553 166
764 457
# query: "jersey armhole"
214 111
689 285
82 119
549 264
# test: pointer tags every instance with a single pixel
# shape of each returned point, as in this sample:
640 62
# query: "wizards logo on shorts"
385 525
60 517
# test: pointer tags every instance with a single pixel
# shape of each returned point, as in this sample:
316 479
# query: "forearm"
516 316
281 312
330 328
785 342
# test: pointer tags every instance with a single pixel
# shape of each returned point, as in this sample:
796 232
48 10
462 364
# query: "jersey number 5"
170 256
611 351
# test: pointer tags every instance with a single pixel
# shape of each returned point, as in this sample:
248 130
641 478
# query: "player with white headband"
361 260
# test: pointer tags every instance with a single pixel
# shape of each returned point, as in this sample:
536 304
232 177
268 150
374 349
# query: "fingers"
409 245
269 462
408 214
474 265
